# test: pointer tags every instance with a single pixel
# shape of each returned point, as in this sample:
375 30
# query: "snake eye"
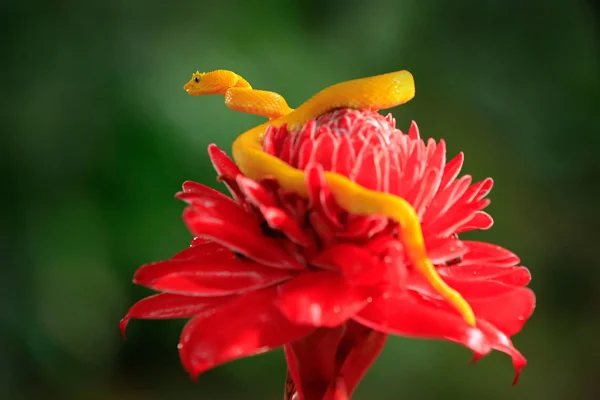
197 79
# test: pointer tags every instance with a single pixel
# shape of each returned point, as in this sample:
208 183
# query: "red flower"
272 269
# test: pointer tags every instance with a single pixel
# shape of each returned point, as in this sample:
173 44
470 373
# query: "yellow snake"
372 93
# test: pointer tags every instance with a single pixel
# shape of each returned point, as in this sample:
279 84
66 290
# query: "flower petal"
425 190
208 277
507 307
243 238
507 312
502 343
358 227
227 171
367 171
256 194
324 148
320 198
321 298
276 218
443 201
456 218
286 152
481 252
480 220
167 306
444 250
407 314
204 250
413 131
357 264
248 325
509 275
218 206
193 190
343 156
272 140
222 163
452 169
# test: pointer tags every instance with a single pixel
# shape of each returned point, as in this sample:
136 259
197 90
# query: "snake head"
205 83
197 85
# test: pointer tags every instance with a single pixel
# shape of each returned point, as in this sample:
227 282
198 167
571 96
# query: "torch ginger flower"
272 268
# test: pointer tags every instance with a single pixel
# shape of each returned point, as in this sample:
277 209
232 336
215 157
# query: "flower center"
363 134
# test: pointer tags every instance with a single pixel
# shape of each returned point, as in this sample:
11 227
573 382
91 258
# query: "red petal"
443 250
395 173
191 186
425 190
305 151
413 131
320 299
323 150
367 170
168 306
202 250
320 198
507 312
227 171
358 265
515 276
218 207
247 326
452 169
407 314
270 140
505 306
277 219
288 152
323 227
222 163
343 156
443 202
477 289
193 190
477 191
361 227
481 252
502 343
255 193
480 220
208 278
240 237
454 219
412 171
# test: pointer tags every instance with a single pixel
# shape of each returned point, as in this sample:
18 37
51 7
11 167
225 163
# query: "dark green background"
97 136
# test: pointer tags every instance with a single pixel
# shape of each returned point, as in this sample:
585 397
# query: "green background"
97 136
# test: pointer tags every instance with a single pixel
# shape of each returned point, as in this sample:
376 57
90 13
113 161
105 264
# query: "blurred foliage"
97 135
